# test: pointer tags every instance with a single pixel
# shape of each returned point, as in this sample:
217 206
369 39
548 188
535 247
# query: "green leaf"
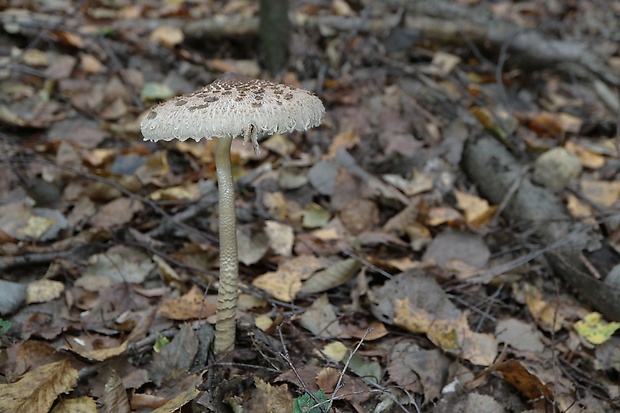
306 404
5 325
152 91
160 344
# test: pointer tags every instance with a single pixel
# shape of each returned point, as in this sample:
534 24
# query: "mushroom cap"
233 105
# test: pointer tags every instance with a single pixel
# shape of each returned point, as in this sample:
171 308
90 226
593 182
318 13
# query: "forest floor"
381 270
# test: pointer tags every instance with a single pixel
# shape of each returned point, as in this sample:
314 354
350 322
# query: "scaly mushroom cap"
234 105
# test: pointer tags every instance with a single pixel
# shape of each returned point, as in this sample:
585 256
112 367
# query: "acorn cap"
234 105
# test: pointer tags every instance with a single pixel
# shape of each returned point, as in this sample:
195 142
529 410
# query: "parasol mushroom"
233 105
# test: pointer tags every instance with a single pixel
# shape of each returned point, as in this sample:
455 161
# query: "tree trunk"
274 34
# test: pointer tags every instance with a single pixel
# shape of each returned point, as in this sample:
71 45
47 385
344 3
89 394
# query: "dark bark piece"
494 170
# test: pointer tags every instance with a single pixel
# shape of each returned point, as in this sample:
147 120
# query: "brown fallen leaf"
96 347
192 305
42 291
285 283
77 405
36 390
528 384
114 394
331 277
544 312
418 370
321 319
353 388
269 398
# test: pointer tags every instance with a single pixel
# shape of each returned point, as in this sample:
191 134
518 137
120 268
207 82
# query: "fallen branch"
493 169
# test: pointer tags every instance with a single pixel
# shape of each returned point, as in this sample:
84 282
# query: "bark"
274 34
494 170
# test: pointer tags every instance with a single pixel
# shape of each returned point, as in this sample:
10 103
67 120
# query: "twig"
339 384
287 358
509 195
118 187
118 68
524 259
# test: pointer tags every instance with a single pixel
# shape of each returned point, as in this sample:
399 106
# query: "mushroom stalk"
228 292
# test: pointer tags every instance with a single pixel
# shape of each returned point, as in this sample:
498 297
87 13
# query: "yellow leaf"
78 405
285 283
604 193
579 209
263 322
442 215
335 351
168 36
42 291
416 321
594 329
38 225
477 210
185 192
347 139
445 334
454 336
545 313
588 158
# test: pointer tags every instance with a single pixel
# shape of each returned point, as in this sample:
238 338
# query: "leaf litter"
369 259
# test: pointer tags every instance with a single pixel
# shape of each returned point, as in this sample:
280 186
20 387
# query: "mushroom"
233 105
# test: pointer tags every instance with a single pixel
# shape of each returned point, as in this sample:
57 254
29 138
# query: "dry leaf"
192 305
353 388
268 398
587 158
115 213
455 336
281 237
418 370
42 291
251 245
360 215
285 283
321 320
545 313
604 193
417 321
553 125
477 210
96 347
114 395
373 331
443 215
78 405
335 275
36 390
528 384
168 36
347 139
279 144
418 184
188 191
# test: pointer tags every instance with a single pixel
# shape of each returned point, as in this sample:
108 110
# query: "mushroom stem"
228 293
